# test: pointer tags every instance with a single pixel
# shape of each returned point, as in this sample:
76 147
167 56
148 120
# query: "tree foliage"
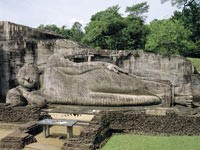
169 37
138 10
55 29
104 28
75 33
190 17
182 3
109 30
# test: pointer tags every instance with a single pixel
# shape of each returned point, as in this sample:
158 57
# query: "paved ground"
7 128
5 132
55 141
39 146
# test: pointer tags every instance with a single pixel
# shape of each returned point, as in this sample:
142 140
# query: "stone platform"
77 109
84 114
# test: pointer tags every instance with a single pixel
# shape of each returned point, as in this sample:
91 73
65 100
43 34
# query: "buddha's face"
28 76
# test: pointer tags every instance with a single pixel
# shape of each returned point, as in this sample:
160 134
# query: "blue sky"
65 12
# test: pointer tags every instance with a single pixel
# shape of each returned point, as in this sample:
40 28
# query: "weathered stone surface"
21 137
176 69
25 94
16 141
18 114
31 128
155 66
172 123
99 83
93 135
12 31
195 87
21 45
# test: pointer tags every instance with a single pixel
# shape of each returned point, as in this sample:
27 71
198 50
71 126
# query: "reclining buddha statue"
96 83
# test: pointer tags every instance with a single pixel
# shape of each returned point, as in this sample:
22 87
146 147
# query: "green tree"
104 28
134 34
190 17
109 30
76 32
55 29
138 10
49 28
169 37
181 3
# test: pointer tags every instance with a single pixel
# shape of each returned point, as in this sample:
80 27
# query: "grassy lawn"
195 62
141 142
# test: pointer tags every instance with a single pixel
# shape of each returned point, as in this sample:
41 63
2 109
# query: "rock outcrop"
99 83
21 45
176 69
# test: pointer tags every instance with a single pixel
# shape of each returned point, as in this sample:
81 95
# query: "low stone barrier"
151 121
23 135
93 135
170 124
18 114
16 141
141 121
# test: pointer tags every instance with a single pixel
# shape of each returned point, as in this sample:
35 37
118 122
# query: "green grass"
141 142
195 62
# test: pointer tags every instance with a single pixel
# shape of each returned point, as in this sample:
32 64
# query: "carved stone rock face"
28 77
25 94
100 84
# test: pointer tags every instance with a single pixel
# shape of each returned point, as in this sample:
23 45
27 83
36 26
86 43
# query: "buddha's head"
28 76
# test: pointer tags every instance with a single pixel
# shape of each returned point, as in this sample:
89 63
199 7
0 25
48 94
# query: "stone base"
18 114
139 121
16 141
